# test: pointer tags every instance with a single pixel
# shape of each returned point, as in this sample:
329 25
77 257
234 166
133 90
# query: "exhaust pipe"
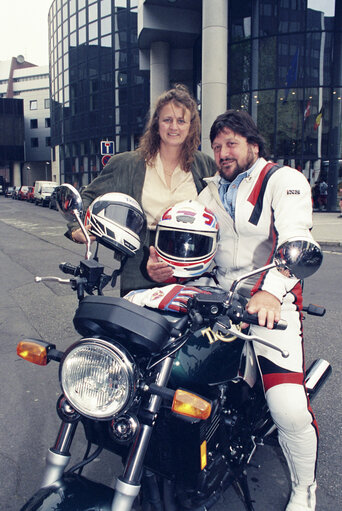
316 376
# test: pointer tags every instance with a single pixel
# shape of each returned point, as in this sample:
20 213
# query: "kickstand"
240 485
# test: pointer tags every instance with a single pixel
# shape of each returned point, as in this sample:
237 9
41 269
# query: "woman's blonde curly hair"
150 141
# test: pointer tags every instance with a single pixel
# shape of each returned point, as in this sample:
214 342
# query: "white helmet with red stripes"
186 238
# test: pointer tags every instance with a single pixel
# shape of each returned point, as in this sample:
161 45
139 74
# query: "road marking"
29 227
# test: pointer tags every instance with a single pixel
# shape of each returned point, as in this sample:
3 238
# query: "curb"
330 245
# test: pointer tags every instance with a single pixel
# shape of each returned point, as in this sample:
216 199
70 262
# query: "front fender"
72 493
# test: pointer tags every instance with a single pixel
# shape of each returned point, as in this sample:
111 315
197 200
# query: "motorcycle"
176 396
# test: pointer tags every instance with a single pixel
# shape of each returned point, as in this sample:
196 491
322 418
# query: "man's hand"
78 236
159 271
267 306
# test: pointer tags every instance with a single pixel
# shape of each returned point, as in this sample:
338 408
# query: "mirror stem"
85 232
247 275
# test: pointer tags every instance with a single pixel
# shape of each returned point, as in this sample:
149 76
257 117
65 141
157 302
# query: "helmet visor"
121 214
184 244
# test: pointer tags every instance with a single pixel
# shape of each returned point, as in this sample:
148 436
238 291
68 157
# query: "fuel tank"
72 493
205 360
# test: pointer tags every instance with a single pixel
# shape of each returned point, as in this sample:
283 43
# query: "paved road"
31 243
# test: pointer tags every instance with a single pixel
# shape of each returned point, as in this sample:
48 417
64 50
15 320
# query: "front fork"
58 456
127 485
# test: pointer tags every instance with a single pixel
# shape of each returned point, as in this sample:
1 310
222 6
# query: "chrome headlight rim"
119 353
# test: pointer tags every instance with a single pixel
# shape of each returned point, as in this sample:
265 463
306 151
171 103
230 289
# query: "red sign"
105 159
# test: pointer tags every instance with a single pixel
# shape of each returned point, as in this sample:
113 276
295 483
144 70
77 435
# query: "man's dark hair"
239 122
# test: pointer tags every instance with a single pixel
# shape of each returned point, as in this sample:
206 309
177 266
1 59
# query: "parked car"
8 191
52 200
22 193
43 191
30 194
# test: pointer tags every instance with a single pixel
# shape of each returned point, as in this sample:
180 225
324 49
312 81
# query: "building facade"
281 60
98 92
23 80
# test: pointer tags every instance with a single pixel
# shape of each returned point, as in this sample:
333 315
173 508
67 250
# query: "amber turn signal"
32 351
191 405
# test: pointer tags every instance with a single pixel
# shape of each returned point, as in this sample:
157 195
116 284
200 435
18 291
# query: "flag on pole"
291 76
318 119
307 109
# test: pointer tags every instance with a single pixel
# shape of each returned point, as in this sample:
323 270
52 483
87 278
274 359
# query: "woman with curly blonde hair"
166 168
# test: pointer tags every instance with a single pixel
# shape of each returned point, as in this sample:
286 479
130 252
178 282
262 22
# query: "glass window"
106 26
65 46
92 27
66 78
81 18
72 6
47 122
34 142
239 67
33 124
290 61
92 13
33 104
65 28
47 103
289 123
240 15
47 141
105 7
82 35
292 15
73 23
73 41
65 12
81 4
267 63
327 7
268 17
106 41
262 109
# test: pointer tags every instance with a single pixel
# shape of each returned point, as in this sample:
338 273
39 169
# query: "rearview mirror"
301 257
68 202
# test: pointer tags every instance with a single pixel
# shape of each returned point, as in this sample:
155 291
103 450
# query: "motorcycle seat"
120 319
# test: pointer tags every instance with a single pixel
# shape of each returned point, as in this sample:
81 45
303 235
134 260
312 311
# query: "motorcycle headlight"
98 378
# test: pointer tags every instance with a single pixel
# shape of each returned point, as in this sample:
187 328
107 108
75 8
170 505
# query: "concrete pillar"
16 174
214 65
159 69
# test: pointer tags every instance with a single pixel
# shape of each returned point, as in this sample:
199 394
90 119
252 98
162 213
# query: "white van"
43 191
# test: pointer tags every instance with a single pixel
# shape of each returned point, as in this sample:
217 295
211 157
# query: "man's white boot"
303 498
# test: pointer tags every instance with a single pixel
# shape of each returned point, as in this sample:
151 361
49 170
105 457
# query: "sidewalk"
327 230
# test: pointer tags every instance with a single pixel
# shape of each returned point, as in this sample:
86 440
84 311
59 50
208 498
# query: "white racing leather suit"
271 207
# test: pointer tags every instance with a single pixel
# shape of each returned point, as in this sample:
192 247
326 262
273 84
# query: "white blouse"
157 196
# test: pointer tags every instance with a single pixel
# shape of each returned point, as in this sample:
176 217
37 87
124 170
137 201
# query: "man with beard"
259 205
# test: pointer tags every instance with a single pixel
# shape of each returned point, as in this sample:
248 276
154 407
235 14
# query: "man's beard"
251 159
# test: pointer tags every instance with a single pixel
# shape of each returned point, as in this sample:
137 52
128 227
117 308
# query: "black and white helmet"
118 222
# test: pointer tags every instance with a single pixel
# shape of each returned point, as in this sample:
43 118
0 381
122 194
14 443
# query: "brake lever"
52 279
245 337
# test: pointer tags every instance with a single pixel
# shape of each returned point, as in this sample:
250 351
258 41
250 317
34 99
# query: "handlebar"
252 319
87 277
69 269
